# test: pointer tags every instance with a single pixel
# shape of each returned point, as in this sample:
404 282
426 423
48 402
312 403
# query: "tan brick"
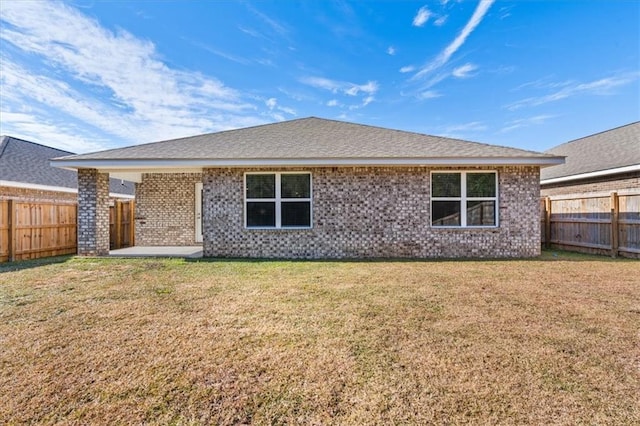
165 209
372 212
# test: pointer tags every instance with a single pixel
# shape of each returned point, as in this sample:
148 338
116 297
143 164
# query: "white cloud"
464 71
322 83
408 68
421 17
525 122
366 90
111 81
288 110
446 54
276 26
464 130
428 94
58 133
440 21
544 83
505 12
366 101
391 50
370 87
219 52
601 87
275 110
271 103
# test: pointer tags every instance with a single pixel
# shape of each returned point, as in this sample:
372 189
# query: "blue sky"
88 75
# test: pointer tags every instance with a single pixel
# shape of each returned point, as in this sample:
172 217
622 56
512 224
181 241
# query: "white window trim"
463 199
278 200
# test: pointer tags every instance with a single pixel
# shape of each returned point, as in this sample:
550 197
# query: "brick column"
93 213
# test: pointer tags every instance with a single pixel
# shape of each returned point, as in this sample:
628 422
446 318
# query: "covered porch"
168 213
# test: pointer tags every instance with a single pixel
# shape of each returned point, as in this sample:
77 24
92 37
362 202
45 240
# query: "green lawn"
548 341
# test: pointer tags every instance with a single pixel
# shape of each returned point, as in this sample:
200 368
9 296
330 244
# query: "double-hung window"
464 199
278 200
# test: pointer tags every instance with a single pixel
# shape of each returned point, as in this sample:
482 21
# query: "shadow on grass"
35 263
545 256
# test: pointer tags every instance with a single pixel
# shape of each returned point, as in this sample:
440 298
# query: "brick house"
25 174
315 188
604 162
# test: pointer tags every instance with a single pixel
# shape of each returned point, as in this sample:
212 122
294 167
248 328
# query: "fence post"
615 208
12 231
118 224
547 222
75 217
132 223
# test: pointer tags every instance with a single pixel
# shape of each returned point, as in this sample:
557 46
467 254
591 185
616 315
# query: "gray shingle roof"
309 138
28 162
610 149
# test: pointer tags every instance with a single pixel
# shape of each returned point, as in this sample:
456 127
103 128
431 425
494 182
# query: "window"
464 199
278 200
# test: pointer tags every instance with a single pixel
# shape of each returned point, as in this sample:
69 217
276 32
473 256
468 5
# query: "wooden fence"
121 224
30 230
33 230
597 223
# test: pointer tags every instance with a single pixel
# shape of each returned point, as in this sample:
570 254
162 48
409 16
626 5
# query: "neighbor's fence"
33 230
30 230
121 224
597 223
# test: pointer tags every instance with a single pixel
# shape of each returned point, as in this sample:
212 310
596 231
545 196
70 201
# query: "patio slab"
191 252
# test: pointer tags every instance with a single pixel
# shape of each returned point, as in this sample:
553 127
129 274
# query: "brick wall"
601 184
165 209
7 192
372 212
93 213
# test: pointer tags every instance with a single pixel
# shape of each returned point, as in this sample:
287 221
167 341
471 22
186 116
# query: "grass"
548 341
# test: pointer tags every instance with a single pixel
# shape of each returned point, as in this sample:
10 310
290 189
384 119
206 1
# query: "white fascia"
625 169
38 187
197 164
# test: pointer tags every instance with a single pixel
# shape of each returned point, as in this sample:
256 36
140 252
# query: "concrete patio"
190 252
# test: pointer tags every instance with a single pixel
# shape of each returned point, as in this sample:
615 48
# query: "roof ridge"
4 141
593 134
7 138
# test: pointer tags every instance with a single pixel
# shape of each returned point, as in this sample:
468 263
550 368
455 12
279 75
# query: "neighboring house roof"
305 142
609 152
26 164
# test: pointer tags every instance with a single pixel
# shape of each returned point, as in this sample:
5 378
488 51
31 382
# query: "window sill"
465 228
288 228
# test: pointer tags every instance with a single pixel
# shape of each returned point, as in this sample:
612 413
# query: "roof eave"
53 188
588 175
168 164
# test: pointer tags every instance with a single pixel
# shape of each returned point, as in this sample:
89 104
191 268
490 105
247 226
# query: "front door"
198 212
